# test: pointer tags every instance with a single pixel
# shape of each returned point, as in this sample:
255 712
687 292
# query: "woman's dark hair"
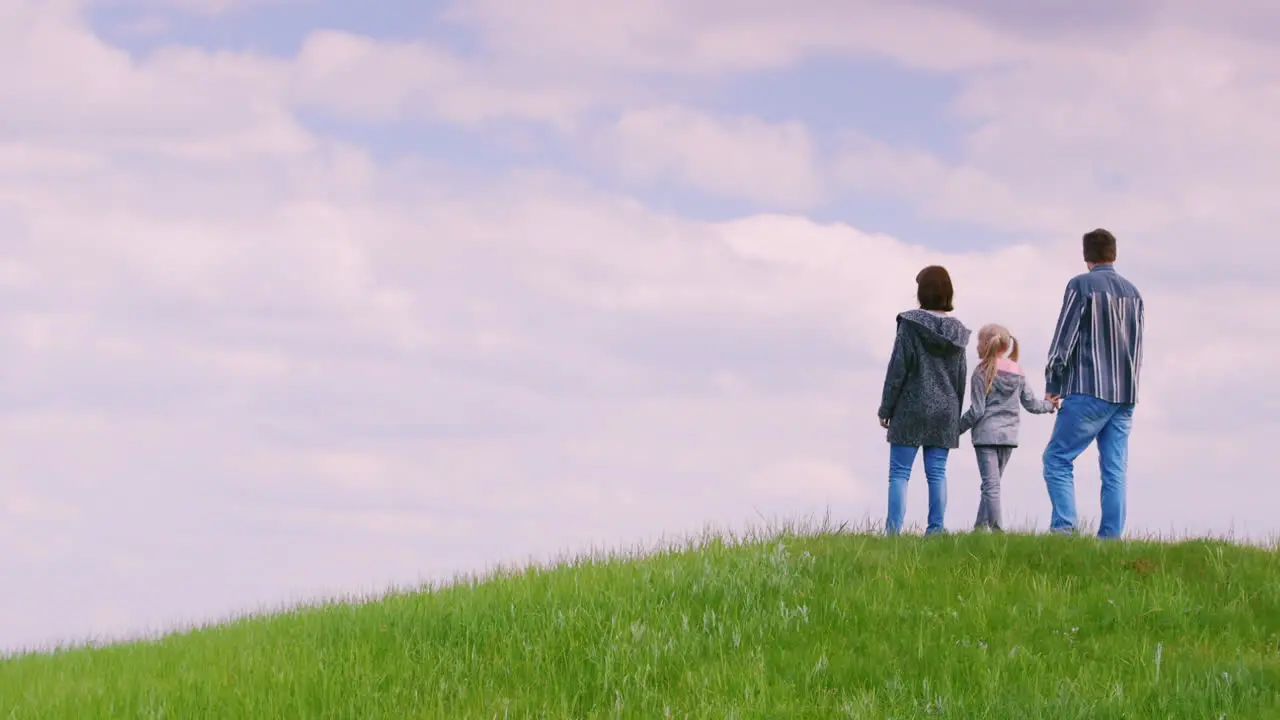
933 289
1099 246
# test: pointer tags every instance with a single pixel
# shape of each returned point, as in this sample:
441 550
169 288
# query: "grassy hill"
823 626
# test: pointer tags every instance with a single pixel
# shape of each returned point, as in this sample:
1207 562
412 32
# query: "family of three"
1091 382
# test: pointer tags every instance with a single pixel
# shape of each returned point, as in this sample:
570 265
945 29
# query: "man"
1094 361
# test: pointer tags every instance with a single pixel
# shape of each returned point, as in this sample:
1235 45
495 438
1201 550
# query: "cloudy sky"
313 297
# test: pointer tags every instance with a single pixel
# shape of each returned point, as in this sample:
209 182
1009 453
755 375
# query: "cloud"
358 77
1162 139
236 343
1163 134
740 158
1096 19
93 97
144 26
715 37
573 369
208 8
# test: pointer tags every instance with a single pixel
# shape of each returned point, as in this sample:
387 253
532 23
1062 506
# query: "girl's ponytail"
992 341
989 370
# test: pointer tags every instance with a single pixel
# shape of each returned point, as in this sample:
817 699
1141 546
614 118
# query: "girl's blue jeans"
901 459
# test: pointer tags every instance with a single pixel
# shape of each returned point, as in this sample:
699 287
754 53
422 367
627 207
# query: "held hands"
1054 400
884 423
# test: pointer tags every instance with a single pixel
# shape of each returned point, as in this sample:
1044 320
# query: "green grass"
811 626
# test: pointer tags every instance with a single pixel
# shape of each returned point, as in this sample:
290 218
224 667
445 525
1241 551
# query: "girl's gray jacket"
993 416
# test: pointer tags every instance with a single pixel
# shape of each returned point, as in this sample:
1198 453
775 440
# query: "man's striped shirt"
1097 345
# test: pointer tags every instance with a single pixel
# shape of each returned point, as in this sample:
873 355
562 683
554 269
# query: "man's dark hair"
1099 246
933 289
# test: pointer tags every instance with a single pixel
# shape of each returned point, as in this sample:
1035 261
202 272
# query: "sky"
308 299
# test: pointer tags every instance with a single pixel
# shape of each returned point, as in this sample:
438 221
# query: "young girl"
997 387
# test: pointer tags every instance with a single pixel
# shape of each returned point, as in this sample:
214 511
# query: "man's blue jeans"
901 458
1082 420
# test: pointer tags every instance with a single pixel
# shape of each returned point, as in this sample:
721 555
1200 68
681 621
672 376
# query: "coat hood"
1006 384
939 334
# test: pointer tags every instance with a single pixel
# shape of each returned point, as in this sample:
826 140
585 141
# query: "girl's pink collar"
1008 365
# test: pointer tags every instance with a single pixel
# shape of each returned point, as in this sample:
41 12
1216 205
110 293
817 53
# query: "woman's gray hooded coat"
924 385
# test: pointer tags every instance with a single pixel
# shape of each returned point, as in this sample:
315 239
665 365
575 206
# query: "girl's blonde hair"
993 341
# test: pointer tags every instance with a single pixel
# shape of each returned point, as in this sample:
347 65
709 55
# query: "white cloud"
235 345
1163 138
359 77
144 26
714 37
740 158
198 7
92 97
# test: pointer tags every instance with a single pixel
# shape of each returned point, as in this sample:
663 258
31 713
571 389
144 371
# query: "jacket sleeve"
1142 323
1065 334
896 375
1033 404
977 403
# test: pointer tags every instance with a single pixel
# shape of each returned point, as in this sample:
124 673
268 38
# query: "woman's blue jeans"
901 459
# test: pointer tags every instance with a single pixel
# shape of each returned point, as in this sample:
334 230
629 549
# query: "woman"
923 396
